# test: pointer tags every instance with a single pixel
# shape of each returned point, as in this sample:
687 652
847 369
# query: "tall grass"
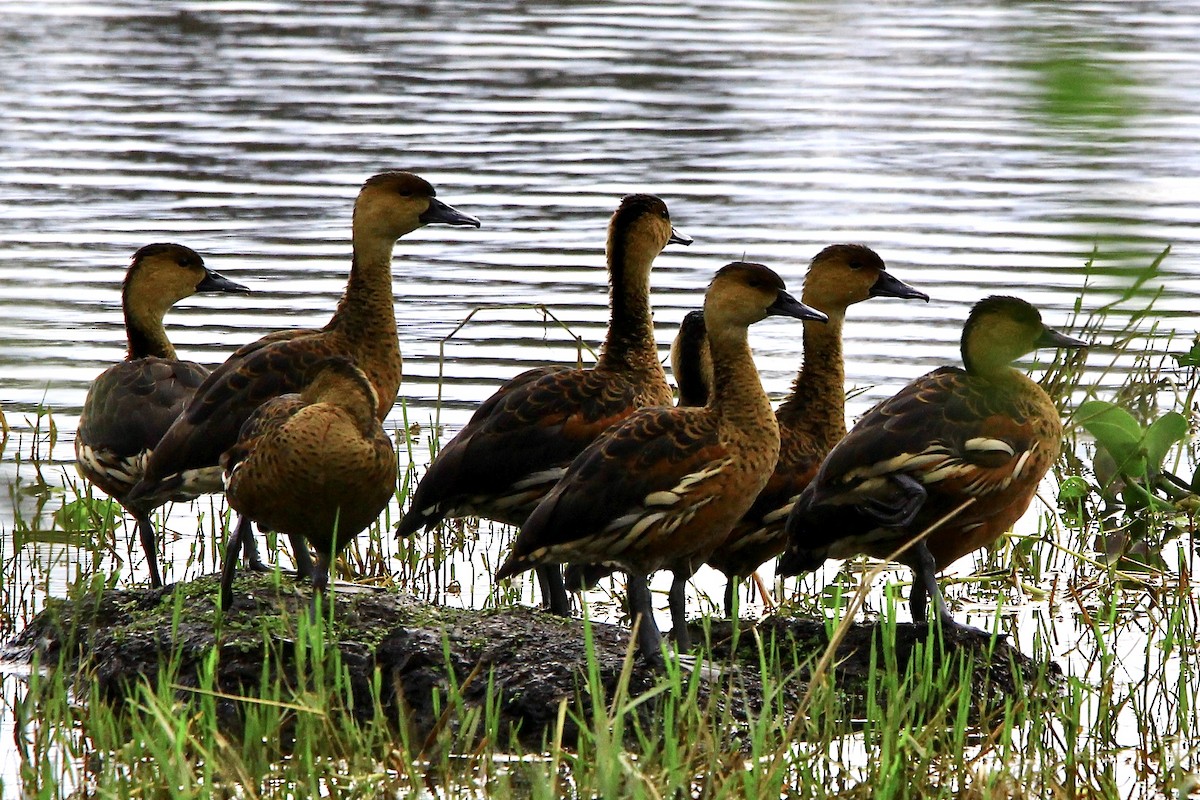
1109 707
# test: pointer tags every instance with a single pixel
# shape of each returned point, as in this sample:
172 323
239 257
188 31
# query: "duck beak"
787 306
216 282
887 285
441 213
1052 338
679 238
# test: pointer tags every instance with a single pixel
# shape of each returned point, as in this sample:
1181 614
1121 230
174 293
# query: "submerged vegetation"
1095 590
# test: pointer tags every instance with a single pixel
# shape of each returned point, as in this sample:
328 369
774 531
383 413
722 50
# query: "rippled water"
981 148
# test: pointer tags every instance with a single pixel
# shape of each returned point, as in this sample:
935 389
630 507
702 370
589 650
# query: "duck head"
844 274
743 293
1000 329
393 204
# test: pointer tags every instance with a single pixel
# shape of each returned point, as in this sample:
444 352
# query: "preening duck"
363 329
663 487
519 441
316 465
132 403
812 419
969 445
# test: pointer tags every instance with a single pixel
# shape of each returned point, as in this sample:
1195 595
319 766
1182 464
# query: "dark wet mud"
414 651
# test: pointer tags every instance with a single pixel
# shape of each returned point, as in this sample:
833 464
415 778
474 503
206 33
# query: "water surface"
981 148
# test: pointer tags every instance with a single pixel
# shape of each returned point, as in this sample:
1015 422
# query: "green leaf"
1116 431
1073 488
1189 359
1163 434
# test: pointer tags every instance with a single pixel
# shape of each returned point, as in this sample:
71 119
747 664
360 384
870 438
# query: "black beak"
216 282
787 306
1052 338
679 238
441 213
887 285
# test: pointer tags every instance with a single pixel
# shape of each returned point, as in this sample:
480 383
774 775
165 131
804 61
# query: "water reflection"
957 142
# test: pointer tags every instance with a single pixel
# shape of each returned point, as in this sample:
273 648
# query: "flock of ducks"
599 467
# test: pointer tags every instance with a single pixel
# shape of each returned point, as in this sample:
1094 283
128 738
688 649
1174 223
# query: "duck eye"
856 265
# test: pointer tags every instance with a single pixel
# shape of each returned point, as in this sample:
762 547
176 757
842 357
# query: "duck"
691 366
663 487
186 464
316 465
520 440
812 418
131 404
945 466
691 363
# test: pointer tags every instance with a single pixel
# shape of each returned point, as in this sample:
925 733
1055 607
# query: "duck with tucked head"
363 329
316 465
662 488
132 404
812 419
951 461
519 441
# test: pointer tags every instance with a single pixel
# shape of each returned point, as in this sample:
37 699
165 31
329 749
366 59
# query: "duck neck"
816 406
367 306
365 319
737 394
630 339
145 332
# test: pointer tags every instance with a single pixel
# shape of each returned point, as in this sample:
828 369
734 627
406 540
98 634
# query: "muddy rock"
533 659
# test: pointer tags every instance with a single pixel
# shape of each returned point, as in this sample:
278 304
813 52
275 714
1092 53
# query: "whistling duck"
663 487
812 419
315 464
691 363
363 328
962 450
131 404
520 441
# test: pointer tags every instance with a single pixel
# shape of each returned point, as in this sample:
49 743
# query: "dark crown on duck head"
634 206
403 183
184 256
756 275
856 256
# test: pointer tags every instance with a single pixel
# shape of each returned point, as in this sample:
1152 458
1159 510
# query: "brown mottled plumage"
662 488
519 441
363 329
984 435
132 404
316 464
812 419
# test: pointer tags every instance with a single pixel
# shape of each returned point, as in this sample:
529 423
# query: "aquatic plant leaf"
1189 359
1116 431
1163 434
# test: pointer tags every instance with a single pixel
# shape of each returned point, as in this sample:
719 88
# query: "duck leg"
320 583
731 596
554 591
303 559
677 600
250 555
233 546
149 546
926 587
641 613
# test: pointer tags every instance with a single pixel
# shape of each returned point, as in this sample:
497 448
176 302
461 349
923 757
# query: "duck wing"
212 420
517 445
945 438
640 481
